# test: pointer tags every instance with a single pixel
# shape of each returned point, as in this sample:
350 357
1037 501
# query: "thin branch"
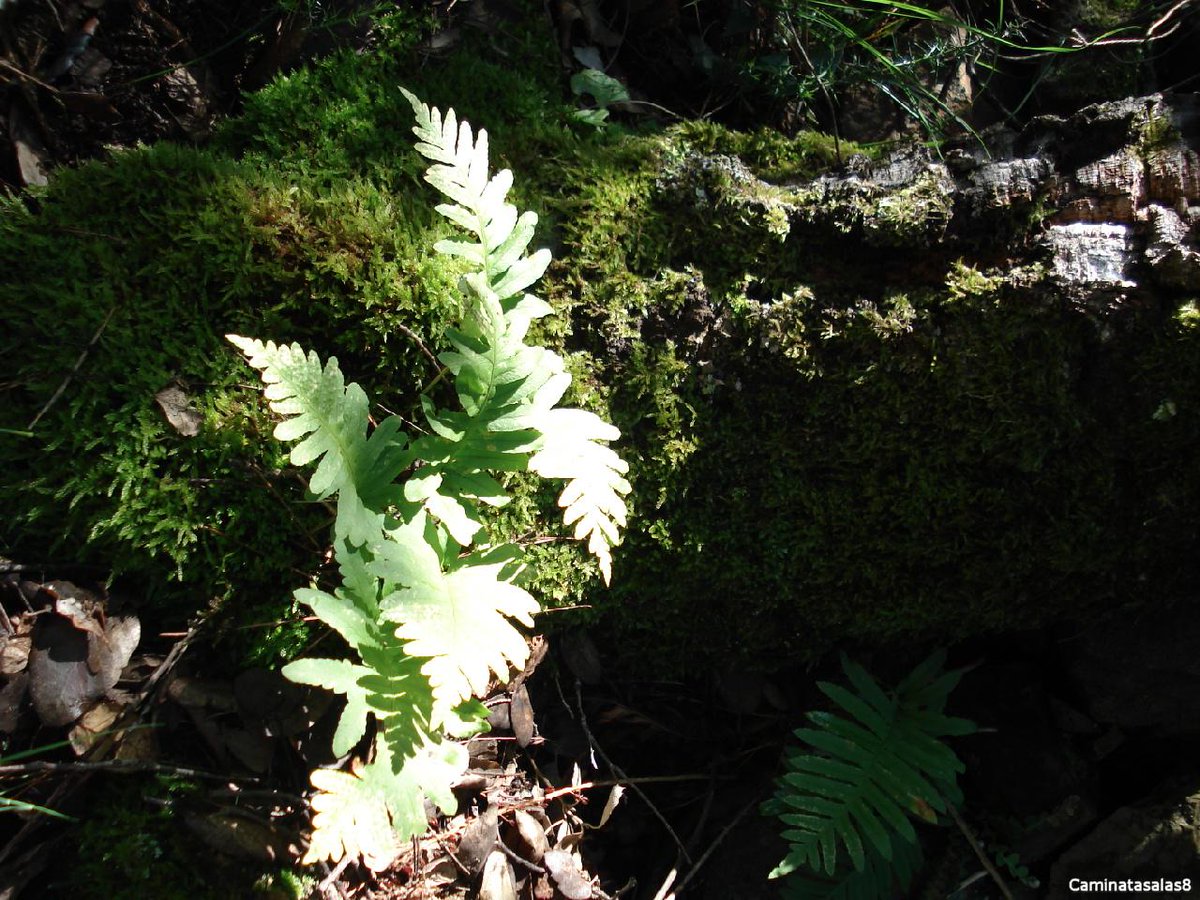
454 859
1167 15
416 339
328 886
74 369
979 851
612 782
716 843
20 73
164 668
516 857
124 766
621 775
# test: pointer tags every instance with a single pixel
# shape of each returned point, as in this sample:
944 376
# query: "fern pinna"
869 774
426 601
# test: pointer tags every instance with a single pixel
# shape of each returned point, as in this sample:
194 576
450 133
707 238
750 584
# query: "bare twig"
1167 15
612 782
416 339
20 73
328 886
716 843
596 748
124 766
164 668
57 15
454 859
74 369
516 857
979 851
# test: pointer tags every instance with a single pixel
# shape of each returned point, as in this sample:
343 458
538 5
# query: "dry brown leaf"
14 653
530 837
93 724
479 840
440 873
568 875
177 407
497 882
70 668
139 745
33 163
520 713
194 693
614 797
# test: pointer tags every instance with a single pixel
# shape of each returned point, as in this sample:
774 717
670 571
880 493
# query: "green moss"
134 842
304 221
964 282
1158 132
773 156
826 454
828 444
1106 13
129 846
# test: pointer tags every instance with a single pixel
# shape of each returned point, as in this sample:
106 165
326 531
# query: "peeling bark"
1108 198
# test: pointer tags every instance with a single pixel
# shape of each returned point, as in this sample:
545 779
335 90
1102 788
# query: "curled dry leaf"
93 724
497 882
568 875
479 840
33 159
177 407
529 837
14 648
614 797
520 713
72 667
440 873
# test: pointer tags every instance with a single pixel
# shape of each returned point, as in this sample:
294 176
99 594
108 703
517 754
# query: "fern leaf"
459 621
339 611
369 814
880 879
593 498
874 769
494 372
340 676
329 420
456 620
351 818
328 417
433 624
458 519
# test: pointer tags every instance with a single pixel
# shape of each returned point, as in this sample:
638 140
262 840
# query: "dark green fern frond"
879 878
875 767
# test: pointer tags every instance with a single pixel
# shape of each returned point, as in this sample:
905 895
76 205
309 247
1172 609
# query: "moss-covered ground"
833 439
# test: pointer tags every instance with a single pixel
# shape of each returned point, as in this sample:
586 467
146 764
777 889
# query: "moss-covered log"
877 404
